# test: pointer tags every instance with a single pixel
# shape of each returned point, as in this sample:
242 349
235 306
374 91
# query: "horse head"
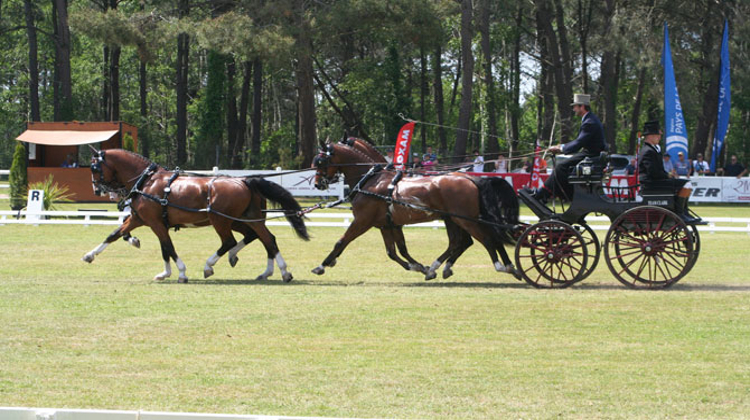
326 171
104 174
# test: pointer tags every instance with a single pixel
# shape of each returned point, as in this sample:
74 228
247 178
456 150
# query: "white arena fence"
340 219
23 413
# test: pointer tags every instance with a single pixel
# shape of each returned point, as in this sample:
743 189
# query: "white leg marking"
269 271
166 273
94 252
499 267
285 275
435 265
208 270
181 266
237 248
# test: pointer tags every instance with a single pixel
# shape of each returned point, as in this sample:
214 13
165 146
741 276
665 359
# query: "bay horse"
161 199
486 208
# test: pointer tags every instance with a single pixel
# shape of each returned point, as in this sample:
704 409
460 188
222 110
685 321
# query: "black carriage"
647 246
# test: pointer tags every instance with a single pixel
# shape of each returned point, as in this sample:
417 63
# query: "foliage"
18 178
53 192
128 143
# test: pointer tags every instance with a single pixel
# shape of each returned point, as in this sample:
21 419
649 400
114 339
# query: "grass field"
367 339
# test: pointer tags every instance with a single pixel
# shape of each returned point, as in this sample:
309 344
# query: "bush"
18 178
52 192
128 143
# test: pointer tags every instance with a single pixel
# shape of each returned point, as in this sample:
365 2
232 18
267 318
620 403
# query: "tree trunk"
584 24
608 82
105 83
306 96
33 62
423 92
564 75
708 85
257 103
464 111
64 111
231 114
546 105
515 110
636 111
114 74
437 71
493 147
239 145
183 48
143 134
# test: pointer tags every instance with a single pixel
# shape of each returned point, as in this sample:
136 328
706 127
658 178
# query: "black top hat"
651 127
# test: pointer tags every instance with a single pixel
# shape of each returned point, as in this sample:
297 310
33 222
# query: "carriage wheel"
696 245
551 254
649 248
593 248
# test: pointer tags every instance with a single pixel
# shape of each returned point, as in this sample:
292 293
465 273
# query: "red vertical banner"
403 144
536 180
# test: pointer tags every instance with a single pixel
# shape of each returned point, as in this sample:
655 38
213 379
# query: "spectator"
682 166
733 168
700 166
630 169
478 161
528 165
389 156
70 162
429 158
417 161
501 164
668 167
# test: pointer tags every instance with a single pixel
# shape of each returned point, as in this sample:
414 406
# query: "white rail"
343 219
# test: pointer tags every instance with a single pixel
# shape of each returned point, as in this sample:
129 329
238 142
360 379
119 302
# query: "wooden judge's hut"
55 149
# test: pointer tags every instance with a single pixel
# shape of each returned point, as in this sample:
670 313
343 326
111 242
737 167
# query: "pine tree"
18 179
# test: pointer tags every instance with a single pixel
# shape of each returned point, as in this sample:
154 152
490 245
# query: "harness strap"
164 201
391 189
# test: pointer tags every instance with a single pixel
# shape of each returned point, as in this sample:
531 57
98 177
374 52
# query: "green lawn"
367 339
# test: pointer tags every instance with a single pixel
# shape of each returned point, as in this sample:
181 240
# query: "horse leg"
390 247
223 228
357 228
249 236
167 252
123 231
478 233
273 253
398 236
454 236
463 243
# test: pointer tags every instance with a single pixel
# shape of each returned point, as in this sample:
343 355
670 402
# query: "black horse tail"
498 204
282 197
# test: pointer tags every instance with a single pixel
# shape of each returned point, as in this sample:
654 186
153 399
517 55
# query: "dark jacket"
590 137
651 164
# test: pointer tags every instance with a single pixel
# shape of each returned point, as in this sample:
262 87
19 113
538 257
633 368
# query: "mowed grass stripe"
367 339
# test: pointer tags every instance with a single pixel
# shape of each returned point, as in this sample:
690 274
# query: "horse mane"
367 147
141 158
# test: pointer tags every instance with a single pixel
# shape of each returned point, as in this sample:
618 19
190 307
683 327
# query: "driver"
590 143
651 170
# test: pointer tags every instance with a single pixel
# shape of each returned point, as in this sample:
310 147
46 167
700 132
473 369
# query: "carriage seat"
590 168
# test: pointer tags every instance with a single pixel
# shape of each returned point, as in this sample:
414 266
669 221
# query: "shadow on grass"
680 287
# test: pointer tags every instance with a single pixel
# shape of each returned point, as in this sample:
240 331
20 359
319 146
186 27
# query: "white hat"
581 99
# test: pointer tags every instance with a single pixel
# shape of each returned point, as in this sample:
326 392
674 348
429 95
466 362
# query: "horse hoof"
135 242
447 273
88 258
430 276
261 278
287 277
319 270
332 264
160 277
233 260
208 273
182 280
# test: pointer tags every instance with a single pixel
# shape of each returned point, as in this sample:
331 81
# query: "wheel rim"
593 248
551 254
649 247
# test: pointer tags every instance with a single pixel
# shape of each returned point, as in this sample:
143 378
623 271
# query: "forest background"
257 83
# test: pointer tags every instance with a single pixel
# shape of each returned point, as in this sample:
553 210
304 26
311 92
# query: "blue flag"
674 124
725 96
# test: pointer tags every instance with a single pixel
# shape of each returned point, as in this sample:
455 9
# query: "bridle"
101 186
321 162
